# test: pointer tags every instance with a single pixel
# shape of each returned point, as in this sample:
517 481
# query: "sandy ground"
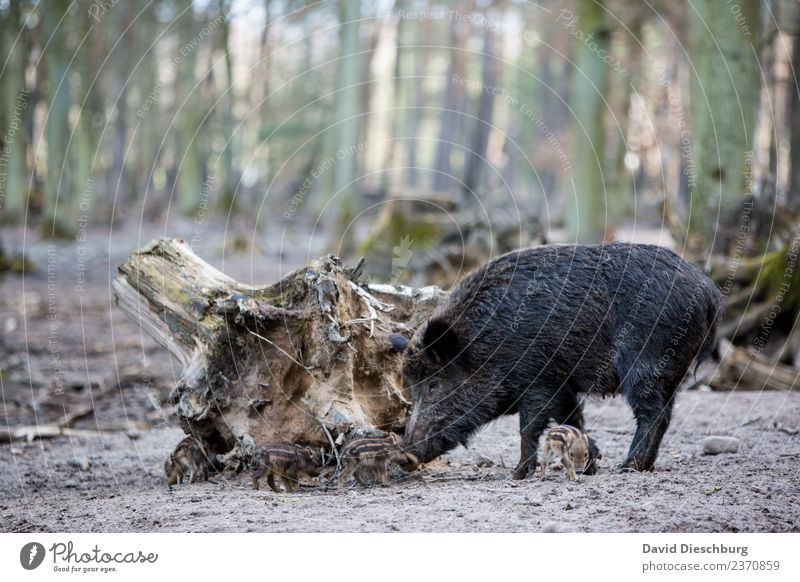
114 481
44 488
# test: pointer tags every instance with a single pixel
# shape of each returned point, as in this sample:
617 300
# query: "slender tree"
188 155
725 88
117 181
15 111
59 187
586 208
230 178
793 110
476 155
347 108
453 103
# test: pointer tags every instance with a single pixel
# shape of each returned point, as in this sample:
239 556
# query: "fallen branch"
73 417
46 431
741 370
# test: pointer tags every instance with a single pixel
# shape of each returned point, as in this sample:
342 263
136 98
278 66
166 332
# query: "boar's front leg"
532 422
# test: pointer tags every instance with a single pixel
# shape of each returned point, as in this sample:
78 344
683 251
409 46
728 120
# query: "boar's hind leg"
652 419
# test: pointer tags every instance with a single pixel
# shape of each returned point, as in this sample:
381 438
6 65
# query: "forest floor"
114 481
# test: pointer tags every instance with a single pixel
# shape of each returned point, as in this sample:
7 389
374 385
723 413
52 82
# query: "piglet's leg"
383 474
569 466
359 477
345 473
271 481
574 417
545 457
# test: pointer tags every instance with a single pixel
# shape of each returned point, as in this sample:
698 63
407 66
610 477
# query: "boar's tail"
714 312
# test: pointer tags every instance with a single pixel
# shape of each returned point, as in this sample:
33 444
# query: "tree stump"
304 360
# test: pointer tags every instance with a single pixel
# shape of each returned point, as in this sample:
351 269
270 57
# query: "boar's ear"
397 343
440 340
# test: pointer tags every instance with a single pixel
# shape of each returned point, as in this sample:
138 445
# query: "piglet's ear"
440 340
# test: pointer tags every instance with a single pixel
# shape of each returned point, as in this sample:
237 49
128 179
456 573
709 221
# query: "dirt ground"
114 481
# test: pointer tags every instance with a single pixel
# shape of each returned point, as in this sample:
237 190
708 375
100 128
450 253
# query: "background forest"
575 120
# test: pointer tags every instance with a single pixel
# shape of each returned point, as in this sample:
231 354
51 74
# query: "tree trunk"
793 192
189 160
230 179
119 188
586 209
476 155
620 176
724 94
414 115
454 100
347 109
13 139
59 187
304 360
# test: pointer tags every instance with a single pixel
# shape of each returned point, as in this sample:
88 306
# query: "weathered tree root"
301 361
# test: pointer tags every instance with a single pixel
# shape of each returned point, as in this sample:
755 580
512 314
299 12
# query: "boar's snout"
423 444
417 439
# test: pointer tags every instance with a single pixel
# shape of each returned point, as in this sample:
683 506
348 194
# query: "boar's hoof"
520 472
631 465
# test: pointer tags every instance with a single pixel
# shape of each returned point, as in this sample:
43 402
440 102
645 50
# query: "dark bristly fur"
534 330
372 455
189 458
570 444
284 463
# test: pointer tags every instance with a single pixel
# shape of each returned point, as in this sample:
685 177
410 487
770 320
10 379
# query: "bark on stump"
304 360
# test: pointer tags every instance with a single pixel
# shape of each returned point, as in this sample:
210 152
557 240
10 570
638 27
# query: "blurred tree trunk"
230 178
415 114
724 100
476 155
190 168
147 134
586 209
14 187
117 182
620 176
91 118
398 102
59 187
453 102
549 96
793 194
347 108
263 82
365 84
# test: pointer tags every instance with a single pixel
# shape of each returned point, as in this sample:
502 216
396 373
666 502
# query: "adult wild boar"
535 329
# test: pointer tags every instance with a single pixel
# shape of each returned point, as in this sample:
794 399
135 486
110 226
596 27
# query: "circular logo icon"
31 555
